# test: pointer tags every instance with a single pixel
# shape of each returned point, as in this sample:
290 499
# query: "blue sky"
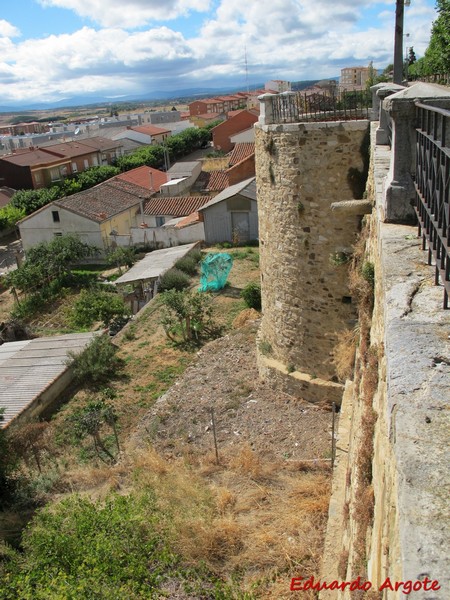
51 50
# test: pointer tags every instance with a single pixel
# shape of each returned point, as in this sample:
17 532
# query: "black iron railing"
305 106
433 188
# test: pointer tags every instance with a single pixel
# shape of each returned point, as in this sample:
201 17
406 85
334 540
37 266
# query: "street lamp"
398 40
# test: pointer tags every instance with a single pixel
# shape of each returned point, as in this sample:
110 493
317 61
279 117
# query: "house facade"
354 78
232 215
35 168
222 133
101 216
145 134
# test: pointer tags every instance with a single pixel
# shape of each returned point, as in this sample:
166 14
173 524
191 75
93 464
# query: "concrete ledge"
297 384
334 540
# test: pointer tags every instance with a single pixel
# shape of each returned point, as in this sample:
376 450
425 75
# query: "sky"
52 50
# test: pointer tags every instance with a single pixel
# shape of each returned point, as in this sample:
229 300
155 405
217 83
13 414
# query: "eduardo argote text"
299 584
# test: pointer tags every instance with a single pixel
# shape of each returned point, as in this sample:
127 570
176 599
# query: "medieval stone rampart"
306 174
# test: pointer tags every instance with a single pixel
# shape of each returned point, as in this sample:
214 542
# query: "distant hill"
95 100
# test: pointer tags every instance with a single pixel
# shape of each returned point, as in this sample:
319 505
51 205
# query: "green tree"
49 261
32 200
90 420
97 305
121 257
96 175
9 215
188 316
437 55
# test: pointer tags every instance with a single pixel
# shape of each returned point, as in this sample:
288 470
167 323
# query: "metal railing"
432 183
296 107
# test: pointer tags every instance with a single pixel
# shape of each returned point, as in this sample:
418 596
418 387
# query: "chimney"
151 182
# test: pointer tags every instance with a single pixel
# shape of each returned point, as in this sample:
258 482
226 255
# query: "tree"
49 261
188 316
9 215
28 443
121 257
89 421
437 55
97 305
6 466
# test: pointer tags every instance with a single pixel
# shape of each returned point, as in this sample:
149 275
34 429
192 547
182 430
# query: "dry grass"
246 515
344 355
261 519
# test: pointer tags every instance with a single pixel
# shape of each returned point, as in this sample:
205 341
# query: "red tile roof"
150 130
101 143
180 206
240 151
218 181
208 116
146 177
104 200
35 158
189 220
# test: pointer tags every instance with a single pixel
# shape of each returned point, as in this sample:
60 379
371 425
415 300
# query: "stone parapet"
408 539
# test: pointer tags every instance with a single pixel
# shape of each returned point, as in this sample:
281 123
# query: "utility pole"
398 40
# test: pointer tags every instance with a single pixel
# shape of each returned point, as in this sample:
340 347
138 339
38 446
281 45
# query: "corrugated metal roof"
155 264
245 188
28 367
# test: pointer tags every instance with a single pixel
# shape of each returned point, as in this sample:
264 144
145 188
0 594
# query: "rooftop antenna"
246 67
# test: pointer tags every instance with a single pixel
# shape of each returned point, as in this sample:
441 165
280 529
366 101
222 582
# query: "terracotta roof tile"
218 181
146 177
150 130
104 200
240 151
189 220
180 206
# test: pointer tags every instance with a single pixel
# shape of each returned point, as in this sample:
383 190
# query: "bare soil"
224 378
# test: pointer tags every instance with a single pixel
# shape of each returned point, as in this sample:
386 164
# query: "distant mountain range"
94 99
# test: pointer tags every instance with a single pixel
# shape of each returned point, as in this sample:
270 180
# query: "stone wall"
305 175
395 524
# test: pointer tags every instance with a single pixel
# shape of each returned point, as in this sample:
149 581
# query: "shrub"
187 264
174 279
188 316
368 272
97 363
97 305
252 295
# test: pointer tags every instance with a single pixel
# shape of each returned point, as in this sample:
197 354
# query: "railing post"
379 93
266 109
400 192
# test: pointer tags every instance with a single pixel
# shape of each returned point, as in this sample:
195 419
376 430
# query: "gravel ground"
246 410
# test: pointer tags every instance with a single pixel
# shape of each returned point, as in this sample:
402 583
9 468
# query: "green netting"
214 271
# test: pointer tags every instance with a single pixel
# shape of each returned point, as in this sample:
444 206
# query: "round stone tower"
307 176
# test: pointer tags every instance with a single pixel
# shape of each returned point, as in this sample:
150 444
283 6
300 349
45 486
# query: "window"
86 163
57 234
55 175
55 216
74 167
160 221
37 178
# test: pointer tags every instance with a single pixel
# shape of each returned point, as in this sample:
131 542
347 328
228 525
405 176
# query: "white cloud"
292 39
130 13
7 30
88 60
